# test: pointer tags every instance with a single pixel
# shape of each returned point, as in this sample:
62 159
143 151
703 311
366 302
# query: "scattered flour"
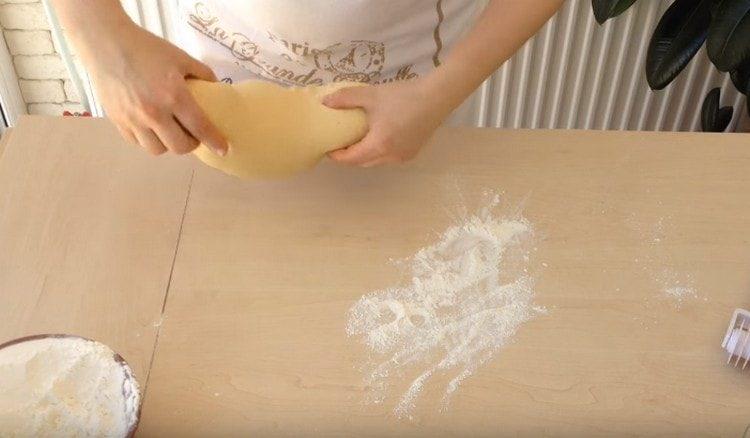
655 260
680 293
463 303
676 287
65 387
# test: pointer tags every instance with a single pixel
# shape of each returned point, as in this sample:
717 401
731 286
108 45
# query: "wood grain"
88 232
253 341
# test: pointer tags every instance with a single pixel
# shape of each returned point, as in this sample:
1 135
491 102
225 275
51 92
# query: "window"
11 102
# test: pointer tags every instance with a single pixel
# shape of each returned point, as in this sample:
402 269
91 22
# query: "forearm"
91 25
501 30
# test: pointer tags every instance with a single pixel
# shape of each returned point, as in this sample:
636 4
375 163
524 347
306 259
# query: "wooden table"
230 298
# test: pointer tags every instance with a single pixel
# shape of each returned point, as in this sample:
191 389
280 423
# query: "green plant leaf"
728 42
741 78
606 9
677 38
713 118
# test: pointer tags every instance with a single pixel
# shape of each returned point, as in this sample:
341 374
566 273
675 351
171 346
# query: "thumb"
199 70
350 97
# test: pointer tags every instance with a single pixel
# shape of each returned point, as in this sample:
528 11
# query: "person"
423 58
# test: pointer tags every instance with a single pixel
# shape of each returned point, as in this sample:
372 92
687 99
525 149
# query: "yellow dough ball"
274 131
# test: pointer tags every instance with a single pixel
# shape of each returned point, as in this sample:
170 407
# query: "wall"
44 81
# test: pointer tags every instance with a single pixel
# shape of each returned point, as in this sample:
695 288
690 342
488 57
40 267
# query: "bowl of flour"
66 386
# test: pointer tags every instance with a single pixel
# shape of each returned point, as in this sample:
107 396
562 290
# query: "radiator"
573 74
577 74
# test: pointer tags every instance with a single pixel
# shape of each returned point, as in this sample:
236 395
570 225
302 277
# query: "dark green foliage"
713 117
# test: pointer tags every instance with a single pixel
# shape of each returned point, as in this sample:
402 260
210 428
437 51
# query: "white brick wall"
43 78
71 94
40 67
29 42
42 91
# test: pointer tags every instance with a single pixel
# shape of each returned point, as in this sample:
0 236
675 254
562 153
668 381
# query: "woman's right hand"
141 81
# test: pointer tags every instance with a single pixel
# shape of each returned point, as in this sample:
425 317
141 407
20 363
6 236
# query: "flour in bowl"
65 387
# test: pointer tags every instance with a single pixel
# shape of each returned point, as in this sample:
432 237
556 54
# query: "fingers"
169 136
126 134
367 150
143 137
174 137
198 70
149 141
195 121
171 121
381 161
375 149
352 97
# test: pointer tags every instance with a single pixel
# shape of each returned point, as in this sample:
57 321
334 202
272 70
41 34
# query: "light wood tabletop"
88 229
237 292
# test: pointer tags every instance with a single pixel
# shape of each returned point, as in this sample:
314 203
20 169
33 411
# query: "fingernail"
224 150
219 151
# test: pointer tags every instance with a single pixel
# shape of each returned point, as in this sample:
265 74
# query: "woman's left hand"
401 116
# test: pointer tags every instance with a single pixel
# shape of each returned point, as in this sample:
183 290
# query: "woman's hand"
140 78
401 115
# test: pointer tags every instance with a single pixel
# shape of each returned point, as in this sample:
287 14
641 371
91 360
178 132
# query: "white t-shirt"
313 42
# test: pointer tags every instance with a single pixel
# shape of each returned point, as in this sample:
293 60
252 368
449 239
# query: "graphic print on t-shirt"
315 42
298 63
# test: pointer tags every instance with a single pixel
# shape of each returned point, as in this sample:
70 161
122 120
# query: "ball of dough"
274 131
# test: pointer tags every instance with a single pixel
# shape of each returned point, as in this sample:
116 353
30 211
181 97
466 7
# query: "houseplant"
722 25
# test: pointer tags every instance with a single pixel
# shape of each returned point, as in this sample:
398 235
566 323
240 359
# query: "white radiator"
577 74
573 74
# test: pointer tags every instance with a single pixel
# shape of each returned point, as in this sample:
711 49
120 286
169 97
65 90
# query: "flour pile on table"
463 303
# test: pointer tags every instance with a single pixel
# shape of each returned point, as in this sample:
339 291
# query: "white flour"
674 285
680 293
65 387
462 304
